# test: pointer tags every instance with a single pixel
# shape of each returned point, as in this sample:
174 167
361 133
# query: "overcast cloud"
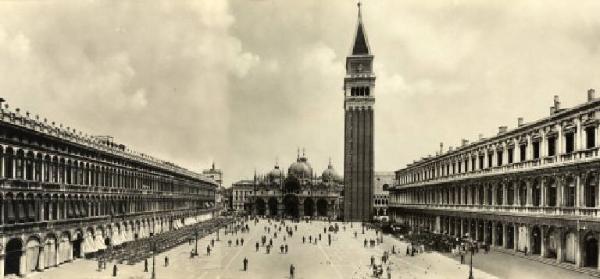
245 82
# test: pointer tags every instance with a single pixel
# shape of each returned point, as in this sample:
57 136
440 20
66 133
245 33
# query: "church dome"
301 168
276 173
330 174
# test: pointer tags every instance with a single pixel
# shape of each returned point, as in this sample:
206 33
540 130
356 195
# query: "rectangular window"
536 149
473 163
552 146
590 136
523 151
570 142
481 158
490 159
499 156
510 155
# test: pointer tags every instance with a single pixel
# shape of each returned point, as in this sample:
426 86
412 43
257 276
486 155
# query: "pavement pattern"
345 258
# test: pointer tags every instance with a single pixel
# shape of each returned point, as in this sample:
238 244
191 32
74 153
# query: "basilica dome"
301 168
276 173
330 174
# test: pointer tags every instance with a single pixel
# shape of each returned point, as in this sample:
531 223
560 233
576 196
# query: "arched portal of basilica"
299 193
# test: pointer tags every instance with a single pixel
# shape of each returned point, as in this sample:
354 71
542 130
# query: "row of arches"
291 206
21 164
543 191
564 244
25 207
36 252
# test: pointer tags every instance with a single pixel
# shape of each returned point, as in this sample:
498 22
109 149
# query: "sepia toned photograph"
287 139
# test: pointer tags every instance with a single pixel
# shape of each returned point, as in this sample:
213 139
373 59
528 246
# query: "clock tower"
359 85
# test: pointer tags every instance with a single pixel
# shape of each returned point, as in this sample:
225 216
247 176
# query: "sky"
246 83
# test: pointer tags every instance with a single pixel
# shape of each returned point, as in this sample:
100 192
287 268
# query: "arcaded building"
532 189
297 194
65 195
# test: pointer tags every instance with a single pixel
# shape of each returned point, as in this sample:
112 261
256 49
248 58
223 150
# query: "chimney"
502 129
556 103
552 110
450 148
520 122
591 95
441 148
464 142
480 136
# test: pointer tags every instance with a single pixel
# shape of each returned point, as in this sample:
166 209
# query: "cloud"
243 82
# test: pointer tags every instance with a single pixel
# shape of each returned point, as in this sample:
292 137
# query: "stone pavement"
346 258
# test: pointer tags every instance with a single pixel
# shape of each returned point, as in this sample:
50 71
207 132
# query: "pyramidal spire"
361 45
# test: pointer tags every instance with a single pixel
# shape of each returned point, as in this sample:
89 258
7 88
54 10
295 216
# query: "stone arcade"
65 195
531 189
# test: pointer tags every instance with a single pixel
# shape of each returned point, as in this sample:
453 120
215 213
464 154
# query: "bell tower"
359 99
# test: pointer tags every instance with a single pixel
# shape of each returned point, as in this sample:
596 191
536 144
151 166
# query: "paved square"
345 258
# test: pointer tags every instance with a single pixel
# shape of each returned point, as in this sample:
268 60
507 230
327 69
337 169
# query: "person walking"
257 246
245 264
242 241
303 239
281 248
372 260
292 271
166 261
286 248
208 250
115 270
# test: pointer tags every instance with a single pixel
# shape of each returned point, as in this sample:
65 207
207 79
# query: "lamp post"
471 263
196 235
153 259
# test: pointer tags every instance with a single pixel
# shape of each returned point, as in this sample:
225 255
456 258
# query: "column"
544 193
41 259
462 227
476 230
494 198
516 237
578 249
543 246
485 233
494 236
23 262
559 248
529 198
579 200
504 194
504 236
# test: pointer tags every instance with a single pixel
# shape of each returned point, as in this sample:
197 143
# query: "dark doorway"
290 203
12 260
322 207
261 207
591 251
536 241
309 207
273 206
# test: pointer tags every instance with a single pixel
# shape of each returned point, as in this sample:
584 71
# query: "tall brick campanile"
359 85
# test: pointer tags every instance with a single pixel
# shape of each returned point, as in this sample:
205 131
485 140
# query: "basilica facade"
298 193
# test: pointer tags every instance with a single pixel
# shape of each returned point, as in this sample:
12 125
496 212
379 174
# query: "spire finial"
359 13
276 161
330 156
298 154
303 153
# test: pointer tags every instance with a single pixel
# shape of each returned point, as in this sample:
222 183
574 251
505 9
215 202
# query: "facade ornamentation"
539 195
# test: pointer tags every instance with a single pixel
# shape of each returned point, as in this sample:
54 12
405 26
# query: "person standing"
115 270
292 271
257 246
208 250
245 264
166 261
303 239
286 248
